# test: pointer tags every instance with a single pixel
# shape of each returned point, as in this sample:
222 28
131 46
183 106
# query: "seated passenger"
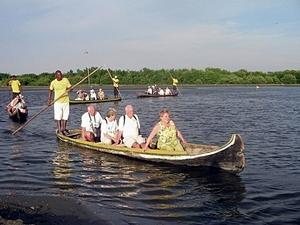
109 128
90 124
101 94
168 134
17 103
93 95
161 91
168 91
129 129
149 90
86 96
80 95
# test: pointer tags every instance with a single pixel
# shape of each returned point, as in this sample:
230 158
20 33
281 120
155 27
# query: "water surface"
35 163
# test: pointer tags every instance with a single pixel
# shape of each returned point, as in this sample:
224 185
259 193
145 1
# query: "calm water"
34 163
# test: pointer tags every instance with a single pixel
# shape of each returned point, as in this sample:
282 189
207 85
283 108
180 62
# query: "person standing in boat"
174 84
15 85
169 136
116 86
91 124
61 87
129 129
109 128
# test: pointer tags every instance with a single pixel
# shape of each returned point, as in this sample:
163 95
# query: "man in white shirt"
90 124
129 126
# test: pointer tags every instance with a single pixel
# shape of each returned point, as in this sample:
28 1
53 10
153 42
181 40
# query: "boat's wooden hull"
155 96
229 157
73 102
18 116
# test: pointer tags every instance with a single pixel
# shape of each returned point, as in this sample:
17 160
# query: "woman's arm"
151 135
180 136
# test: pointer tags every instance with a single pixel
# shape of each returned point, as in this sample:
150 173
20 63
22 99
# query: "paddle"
173 79
113 81
51 103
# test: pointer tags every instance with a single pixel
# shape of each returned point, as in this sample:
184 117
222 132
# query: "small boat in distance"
143 95
108 99
229 157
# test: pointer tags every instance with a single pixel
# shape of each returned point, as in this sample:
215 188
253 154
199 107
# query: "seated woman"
17 103
167 133
80 95
109 128
101 94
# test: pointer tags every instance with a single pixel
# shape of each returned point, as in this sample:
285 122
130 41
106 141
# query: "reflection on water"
62 169
142 190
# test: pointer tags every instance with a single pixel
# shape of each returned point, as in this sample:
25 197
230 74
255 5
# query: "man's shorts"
61 111
128 141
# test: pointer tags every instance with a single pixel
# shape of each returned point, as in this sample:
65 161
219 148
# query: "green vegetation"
208 76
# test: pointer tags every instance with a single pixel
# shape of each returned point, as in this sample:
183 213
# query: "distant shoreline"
141 86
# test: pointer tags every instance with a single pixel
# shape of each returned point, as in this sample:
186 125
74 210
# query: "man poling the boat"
16 87
59 86
91 124
168 134
52 102
115 81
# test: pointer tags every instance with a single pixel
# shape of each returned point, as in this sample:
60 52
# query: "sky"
45 35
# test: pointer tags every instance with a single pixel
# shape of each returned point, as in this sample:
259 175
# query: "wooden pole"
48 106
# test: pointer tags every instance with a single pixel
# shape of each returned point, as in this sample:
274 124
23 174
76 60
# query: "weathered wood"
229 157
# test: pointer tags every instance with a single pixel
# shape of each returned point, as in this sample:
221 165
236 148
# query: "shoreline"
143 86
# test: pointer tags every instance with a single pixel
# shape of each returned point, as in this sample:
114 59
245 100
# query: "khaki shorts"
61 111
106 141
128 141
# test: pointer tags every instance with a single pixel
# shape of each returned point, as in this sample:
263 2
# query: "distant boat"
109 99
142 95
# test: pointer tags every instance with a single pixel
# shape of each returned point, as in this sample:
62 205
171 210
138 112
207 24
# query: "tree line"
208 76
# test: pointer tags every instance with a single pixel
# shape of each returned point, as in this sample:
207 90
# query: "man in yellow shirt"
16 87
116 86
175 82
61 87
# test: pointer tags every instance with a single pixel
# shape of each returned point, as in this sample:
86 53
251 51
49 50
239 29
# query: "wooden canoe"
142 95
229 157
109 99
18 116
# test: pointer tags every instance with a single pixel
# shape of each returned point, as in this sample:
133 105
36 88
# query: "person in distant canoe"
17 103
174 84
161 91
168 91
129 129
93 95
169 136
91 124
116 86
60 86
109 128
80 95
101 94
15 85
